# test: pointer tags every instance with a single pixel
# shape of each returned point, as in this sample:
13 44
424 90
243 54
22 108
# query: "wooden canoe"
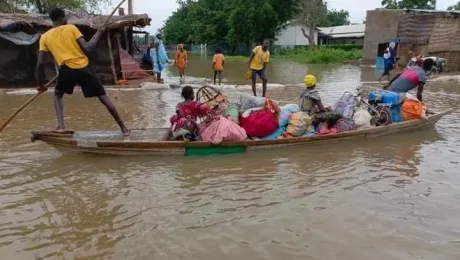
139 143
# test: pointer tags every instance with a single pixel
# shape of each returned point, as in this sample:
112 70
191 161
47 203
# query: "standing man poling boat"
70 51
257 64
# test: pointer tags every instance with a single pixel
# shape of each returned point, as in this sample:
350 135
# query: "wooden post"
119 47
112 62
130 7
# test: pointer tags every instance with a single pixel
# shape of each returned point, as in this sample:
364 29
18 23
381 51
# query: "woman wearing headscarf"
159 57
181 60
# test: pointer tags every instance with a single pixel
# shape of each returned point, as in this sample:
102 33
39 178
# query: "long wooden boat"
142 143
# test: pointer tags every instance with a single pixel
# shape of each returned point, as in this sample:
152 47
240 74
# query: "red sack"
260 123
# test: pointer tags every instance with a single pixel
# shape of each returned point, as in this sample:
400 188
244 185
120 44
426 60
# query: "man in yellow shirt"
70 52
257 64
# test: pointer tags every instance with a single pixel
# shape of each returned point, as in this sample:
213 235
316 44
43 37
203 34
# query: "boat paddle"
51 81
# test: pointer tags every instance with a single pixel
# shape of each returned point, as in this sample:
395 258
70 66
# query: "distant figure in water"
257 64
70 52
159 56
218 62
389 58
181 60
183 123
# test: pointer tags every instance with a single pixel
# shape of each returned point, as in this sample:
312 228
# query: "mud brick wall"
381 27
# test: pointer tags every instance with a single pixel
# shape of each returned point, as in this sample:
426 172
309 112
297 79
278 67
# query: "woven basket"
213 98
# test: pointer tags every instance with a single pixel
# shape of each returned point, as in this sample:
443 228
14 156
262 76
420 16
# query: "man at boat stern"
411 78
70 52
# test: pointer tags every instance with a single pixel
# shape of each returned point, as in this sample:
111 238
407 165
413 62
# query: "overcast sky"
160 10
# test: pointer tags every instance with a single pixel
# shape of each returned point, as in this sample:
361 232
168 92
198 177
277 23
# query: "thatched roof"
92 21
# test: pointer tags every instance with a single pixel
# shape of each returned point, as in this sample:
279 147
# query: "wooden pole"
26 104
119 47
112 62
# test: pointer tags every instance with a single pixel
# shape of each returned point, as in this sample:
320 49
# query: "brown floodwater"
396 197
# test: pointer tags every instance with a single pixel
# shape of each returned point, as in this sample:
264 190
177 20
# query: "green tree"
232 22
409 4
252 20
311 14
455 7
336 18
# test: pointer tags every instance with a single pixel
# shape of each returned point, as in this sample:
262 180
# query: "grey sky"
160 10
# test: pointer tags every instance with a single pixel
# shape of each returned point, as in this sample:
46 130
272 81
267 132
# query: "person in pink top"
183 123
411 78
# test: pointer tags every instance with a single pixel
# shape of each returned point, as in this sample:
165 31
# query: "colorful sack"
233 111
276 134
221 129
412 110
345 106
324 130
298 124
345 124
286 112
259 123
362 118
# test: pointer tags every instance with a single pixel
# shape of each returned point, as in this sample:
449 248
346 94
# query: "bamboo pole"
112 62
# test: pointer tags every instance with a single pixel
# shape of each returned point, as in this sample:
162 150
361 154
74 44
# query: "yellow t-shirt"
260 58
61 42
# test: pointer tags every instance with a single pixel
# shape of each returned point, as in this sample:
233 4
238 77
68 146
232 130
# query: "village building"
344 35
295 34
427 32
112 59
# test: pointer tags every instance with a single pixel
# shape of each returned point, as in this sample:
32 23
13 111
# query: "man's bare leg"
264 87
113 111
220 77
215 75
59 108
254 88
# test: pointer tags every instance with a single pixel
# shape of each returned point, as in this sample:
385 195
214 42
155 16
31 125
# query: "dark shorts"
85 77
387 70
261 74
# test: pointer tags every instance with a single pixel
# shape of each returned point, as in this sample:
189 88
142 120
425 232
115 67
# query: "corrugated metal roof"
344 31
431 11
347 35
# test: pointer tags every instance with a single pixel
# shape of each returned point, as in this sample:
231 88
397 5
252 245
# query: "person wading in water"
257 64
70 51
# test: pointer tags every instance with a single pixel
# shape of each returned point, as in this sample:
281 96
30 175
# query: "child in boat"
183 124
310 102
218 64
181 60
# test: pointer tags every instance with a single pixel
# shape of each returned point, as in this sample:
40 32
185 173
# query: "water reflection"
320 201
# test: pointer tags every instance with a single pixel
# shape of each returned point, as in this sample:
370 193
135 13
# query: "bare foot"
126 132
60 130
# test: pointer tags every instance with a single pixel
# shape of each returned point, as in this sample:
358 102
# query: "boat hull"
67 142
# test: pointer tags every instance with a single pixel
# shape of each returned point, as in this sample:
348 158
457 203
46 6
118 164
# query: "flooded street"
396 197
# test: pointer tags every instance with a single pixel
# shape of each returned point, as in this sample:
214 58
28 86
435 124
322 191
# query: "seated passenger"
310 102
183 124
